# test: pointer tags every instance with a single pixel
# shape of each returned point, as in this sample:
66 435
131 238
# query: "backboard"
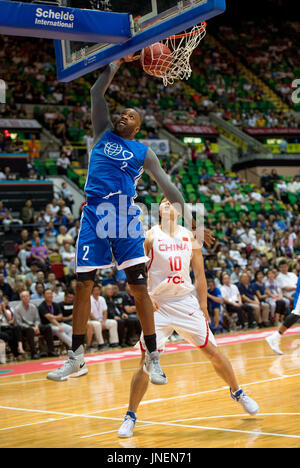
151 21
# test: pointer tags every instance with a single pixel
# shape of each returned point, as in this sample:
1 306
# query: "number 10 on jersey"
175 263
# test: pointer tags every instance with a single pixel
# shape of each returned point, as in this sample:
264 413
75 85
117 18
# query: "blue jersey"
115 166
297 293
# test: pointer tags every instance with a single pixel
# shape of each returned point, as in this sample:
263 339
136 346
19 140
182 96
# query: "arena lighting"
192 140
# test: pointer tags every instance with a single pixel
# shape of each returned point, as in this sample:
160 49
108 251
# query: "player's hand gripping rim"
127 59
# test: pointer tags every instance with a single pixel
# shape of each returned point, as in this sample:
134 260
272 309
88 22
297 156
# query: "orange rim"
191 33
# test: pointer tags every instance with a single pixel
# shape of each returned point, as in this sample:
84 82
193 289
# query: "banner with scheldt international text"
55 22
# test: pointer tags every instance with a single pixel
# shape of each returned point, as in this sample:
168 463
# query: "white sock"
277 334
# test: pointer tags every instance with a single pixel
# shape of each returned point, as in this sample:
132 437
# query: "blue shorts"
109 230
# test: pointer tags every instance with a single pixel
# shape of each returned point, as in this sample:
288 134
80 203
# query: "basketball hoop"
175 65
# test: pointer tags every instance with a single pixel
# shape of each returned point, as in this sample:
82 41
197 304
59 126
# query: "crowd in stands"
253 266
270 49
37 299
217 84
251 269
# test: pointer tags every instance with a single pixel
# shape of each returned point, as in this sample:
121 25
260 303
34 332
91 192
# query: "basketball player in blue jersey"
116 163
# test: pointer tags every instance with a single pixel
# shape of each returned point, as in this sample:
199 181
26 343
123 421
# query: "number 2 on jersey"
86 249
175 263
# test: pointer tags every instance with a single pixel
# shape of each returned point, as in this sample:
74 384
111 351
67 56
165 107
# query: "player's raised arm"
100 113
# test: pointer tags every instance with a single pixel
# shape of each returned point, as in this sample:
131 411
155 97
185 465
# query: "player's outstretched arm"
153 168
100 113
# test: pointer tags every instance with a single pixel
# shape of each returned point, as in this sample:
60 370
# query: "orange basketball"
156 59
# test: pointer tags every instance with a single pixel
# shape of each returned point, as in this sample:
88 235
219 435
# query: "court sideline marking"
92 415
153 423
131 354
133 369
220 429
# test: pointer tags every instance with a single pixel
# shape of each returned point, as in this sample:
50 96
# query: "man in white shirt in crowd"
287 280
74 231
54 207
99 320
24 254
235 275
294 185
248 237
67 254
63 163
66 210
40 278
256 196
66 195
234 253
231 184
239 197
58 293
233 301
216 197
252 121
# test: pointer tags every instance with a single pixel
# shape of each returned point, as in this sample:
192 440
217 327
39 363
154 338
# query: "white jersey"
169 266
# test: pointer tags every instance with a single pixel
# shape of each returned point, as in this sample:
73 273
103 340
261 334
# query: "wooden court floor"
193 411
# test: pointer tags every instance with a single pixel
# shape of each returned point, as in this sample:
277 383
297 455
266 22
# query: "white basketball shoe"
126 430
73 367
153 369
247 403
274 341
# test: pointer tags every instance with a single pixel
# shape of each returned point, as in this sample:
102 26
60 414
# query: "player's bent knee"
136 274
290 320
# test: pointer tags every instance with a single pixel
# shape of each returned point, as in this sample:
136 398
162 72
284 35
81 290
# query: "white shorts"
186 318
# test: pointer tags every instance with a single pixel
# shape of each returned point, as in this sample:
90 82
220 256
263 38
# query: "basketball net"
182 47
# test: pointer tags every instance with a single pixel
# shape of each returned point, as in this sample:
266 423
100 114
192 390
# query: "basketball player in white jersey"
172 249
